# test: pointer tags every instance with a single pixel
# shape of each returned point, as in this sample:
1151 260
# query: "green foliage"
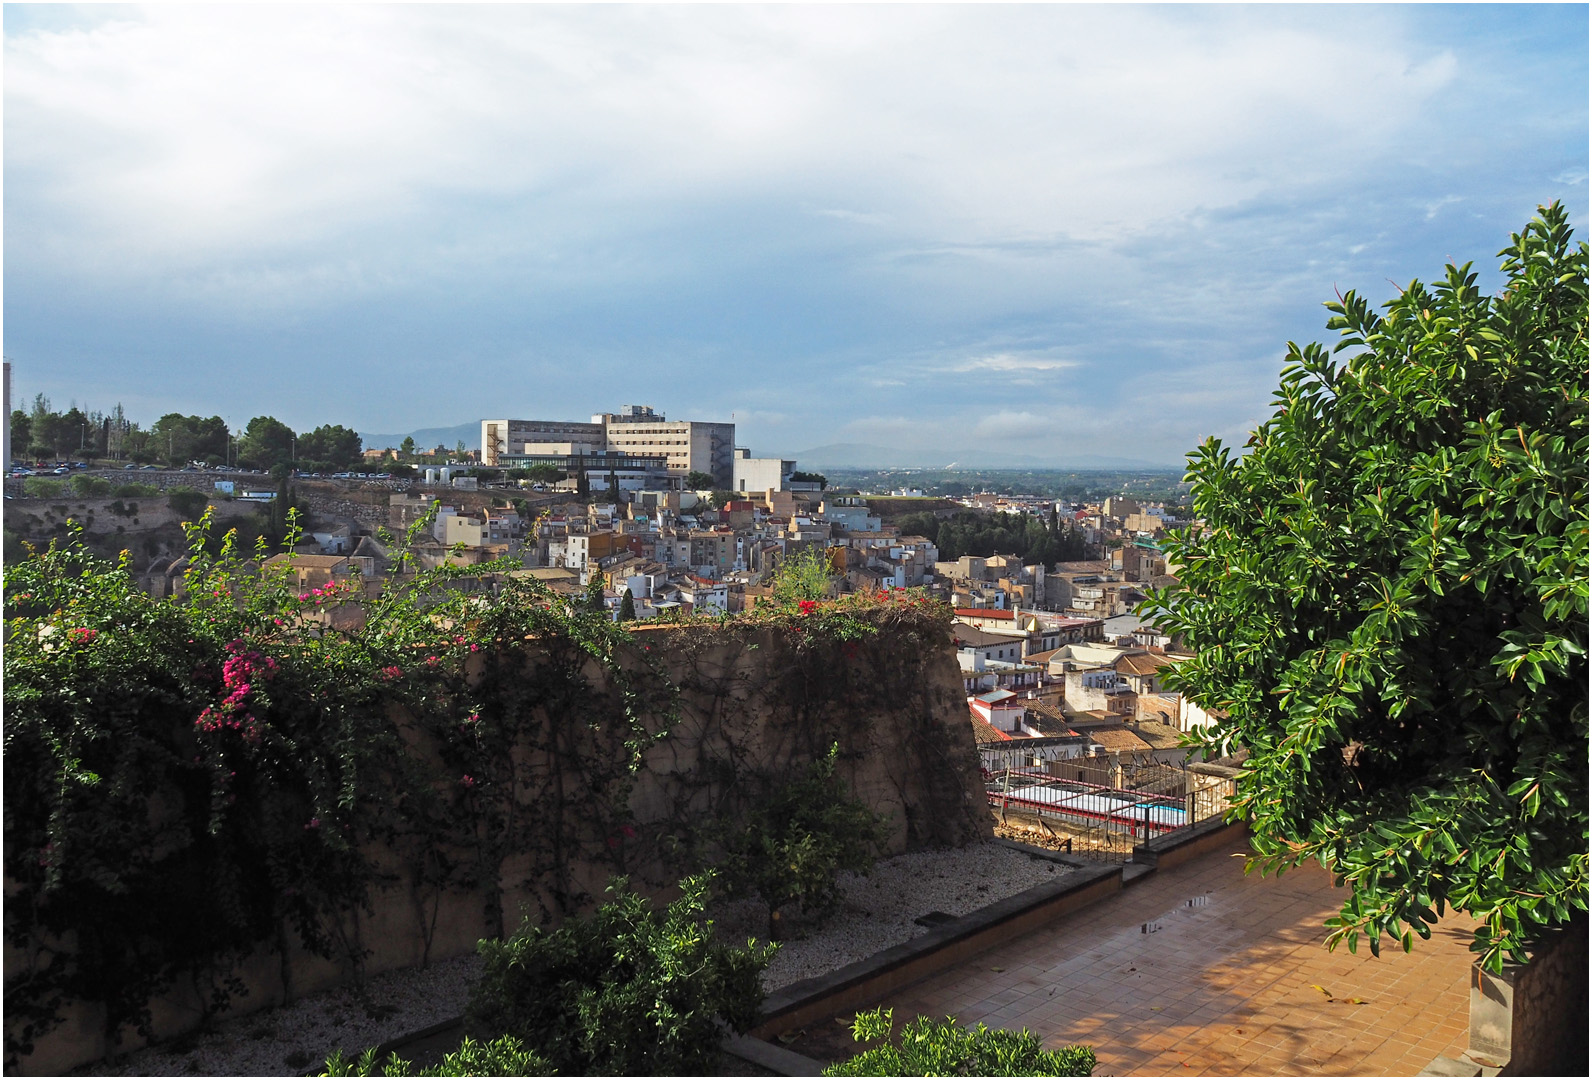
970 532
334 445
180 439
265 444
188 781
792 844
135 491
624 991
931 1048
89 487
722 498
627 607
805 575
187 502
503 1056
696 480
800 477
1389 601
38 487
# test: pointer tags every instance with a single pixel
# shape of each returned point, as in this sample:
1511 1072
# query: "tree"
407 447
181 439
337 446
21 429
810 478
698 481
1388 597
543 473
613 486
627 607
266 443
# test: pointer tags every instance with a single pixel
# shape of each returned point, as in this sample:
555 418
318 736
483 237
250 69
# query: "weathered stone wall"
754 708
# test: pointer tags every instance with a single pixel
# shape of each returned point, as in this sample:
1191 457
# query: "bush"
930 1048
135 491
505 1056
792 845
621 992
89 487
37 487
1388 598
187 502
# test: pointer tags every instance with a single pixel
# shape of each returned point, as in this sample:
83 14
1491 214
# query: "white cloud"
1008 363
186 132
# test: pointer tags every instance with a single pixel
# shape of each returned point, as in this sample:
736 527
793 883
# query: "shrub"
187 502
935 1048
504 1056
623 991
792 845
37 487
89 487
135 491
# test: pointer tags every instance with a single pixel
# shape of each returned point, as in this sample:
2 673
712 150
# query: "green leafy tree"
803 576
265 444
337 446
180 439
1388 597
21 429
722 498
543 473
627 607
944 1048
407 447
625 991
695 480
810 478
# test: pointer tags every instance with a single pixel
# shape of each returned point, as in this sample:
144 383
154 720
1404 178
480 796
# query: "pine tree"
627 608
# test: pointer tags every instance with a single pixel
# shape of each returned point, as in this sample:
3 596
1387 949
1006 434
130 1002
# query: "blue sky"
1045 230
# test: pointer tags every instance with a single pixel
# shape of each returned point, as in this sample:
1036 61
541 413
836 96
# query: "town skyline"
922 229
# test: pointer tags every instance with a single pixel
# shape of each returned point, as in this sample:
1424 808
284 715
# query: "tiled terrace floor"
1200 969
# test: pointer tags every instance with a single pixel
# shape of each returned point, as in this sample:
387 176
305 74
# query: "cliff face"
754 705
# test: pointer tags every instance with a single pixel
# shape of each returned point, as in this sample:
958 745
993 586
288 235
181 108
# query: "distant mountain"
425 438
869 456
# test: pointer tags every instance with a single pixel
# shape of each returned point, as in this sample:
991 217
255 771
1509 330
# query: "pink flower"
304 596
475 648
388 674
630 834
81 635
467 780
315 823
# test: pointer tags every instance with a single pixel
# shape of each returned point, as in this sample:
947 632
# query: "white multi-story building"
635 431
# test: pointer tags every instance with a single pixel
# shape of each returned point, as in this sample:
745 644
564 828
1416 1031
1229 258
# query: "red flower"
467 780
807 607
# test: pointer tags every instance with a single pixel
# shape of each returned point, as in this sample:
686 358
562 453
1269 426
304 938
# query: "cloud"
1007 363
885 221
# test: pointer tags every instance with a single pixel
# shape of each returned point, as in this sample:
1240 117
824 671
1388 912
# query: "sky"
1039 230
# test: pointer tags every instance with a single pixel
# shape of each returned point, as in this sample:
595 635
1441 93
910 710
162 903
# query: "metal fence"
1098 820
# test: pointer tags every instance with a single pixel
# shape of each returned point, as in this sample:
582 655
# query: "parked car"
60 470
129 465
151 466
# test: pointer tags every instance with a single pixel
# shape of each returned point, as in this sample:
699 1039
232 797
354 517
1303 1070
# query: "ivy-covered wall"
520 781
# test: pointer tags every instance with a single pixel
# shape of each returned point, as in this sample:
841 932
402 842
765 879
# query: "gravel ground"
291 1040
877 912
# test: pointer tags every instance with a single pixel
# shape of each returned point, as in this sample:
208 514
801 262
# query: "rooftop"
1203 969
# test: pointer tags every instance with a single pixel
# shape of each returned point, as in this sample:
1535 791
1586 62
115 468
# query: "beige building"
686 445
